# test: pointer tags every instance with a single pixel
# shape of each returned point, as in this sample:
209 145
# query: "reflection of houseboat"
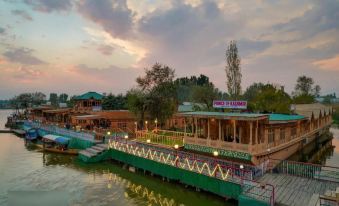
56 144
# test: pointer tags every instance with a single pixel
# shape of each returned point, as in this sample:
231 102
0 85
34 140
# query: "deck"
293 190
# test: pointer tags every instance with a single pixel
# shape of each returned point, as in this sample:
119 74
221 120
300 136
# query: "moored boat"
56 144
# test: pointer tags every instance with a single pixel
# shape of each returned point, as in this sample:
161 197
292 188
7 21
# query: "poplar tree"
233 71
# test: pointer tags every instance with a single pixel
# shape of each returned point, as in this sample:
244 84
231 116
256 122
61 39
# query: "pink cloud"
328 64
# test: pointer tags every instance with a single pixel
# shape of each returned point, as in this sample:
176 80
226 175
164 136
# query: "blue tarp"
62 140
31 134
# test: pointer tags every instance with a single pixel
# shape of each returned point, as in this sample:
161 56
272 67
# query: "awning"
62 140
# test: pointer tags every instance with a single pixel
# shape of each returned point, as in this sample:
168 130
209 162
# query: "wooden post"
234 131
208 128
256 133
219 129
196 127
251 125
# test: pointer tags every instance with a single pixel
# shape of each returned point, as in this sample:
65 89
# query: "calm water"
25 169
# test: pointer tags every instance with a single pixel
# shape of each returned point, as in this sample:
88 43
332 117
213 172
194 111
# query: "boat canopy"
57 139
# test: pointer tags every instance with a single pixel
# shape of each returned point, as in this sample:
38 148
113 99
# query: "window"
122 125
282 133
293 132
270 135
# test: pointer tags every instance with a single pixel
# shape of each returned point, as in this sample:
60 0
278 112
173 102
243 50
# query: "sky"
104 45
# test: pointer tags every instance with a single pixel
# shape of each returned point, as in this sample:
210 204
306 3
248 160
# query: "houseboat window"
282 133
293 132
270 135
122 125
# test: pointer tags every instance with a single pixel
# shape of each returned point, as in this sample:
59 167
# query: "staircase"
94 154
330 198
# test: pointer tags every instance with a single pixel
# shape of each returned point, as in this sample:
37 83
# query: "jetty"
5 131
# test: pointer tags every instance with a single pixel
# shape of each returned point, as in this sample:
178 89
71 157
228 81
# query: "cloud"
321 17
105 49
49 5
328 64
27 73
23 14
23 56
2 30
114 16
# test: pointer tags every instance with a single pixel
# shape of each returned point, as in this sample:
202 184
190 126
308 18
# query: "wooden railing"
154 138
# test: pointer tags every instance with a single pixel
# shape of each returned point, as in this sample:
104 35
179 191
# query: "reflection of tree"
139 191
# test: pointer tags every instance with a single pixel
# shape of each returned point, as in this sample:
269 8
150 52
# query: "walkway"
293 190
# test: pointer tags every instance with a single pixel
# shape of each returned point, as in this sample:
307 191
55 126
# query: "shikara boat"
56 144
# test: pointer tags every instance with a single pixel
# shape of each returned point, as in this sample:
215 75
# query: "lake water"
63 177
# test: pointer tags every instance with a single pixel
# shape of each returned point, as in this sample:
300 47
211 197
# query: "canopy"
56 138
62 140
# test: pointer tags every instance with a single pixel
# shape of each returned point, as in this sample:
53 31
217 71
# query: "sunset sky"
95 45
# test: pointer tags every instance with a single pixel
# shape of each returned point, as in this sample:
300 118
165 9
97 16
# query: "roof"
56 138
189 106
89 116
316 109
58 110
224 115
90 95
285 117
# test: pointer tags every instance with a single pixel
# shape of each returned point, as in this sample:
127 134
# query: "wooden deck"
292 190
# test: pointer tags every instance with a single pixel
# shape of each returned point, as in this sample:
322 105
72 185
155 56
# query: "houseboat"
251 137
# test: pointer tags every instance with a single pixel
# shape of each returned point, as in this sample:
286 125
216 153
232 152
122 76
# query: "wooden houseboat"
252 137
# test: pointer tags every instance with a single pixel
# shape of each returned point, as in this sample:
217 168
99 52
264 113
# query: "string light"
170 159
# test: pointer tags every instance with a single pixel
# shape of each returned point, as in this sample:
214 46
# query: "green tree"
233 71
63 97
112 102
155 95
271 99
305 91
205 94
53 98
71 101
267 98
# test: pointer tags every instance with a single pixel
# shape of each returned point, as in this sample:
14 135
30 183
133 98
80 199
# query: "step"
93 151
98 148
330 193
314 200
105 146
86 153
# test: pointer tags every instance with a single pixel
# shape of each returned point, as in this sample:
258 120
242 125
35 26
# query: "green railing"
307 170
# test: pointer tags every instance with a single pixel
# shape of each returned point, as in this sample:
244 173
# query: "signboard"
230 104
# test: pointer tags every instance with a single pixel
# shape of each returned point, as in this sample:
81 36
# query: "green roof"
229 115
285 117
90 95
225 115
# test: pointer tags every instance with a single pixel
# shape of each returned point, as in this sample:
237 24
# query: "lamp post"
156 124
126 137
136 126
176 147
146 122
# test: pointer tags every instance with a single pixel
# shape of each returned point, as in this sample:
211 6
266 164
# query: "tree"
155 76
304 91
53 98
270 99
233 71
63 97
267 98
205 94
155 95
112 102
71 101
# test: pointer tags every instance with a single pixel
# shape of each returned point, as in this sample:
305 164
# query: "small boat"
31 134
56 144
